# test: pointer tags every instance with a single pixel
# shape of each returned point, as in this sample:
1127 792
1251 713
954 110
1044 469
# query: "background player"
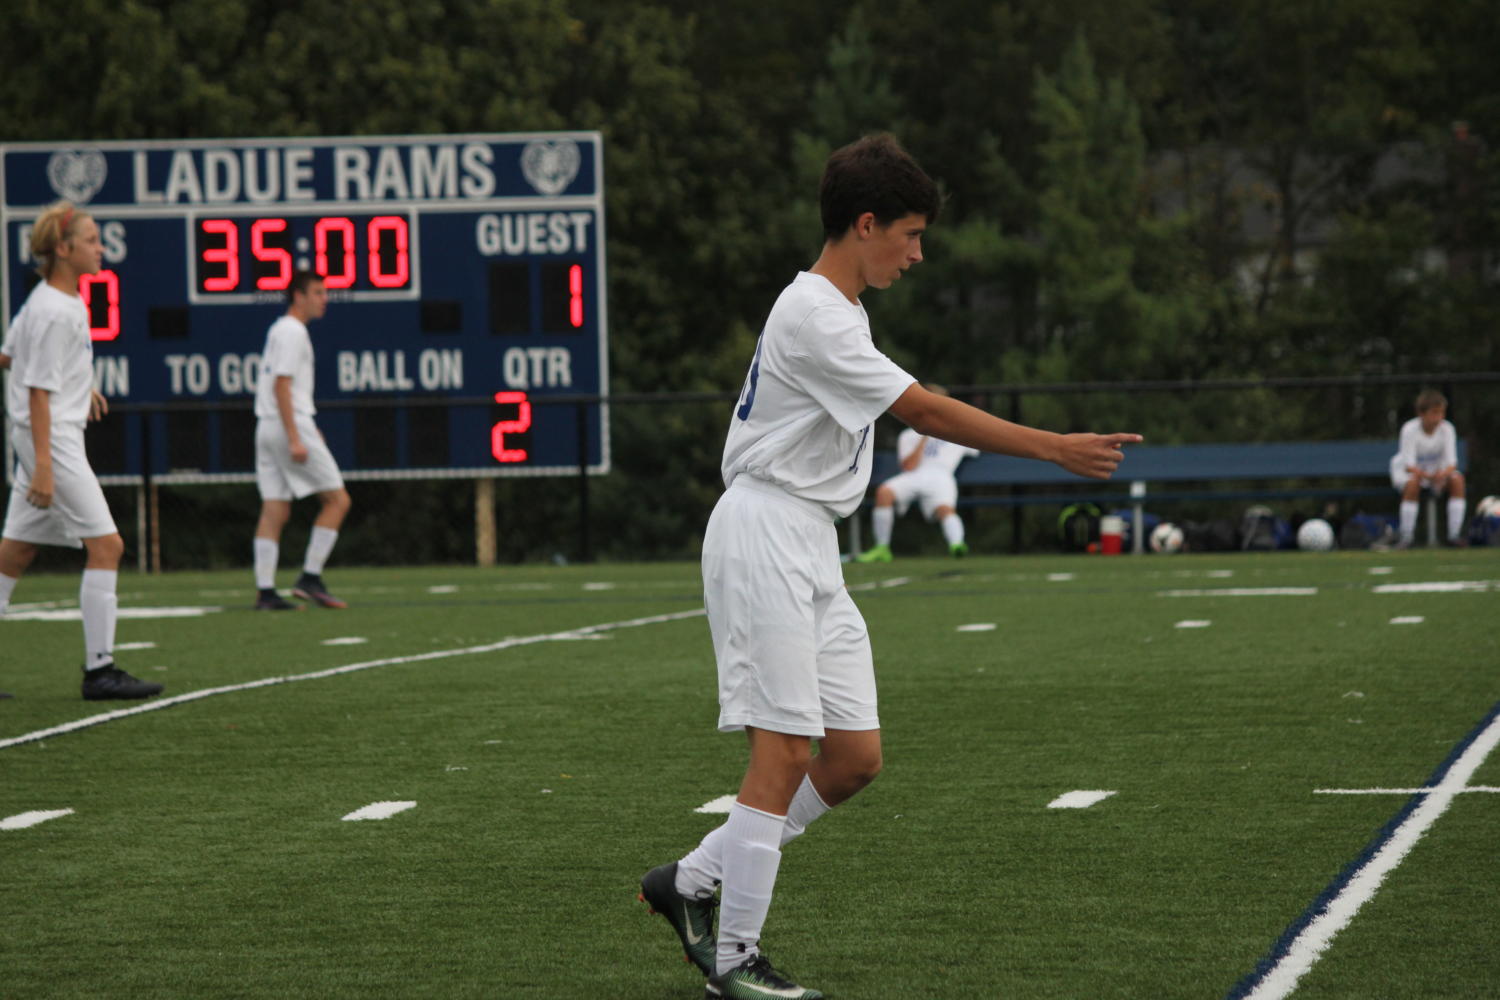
291 460
926 476
793 652
55 497
1427 456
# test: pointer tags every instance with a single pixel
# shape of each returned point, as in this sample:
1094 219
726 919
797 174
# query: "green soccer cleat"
692 919
876 553
958 550
756 980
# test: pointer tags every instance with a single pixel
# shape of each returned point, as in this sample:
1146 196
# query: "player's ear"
864 225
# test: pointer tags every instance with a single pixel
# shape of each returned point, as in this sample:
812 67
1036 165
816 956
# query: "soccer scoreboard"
458 267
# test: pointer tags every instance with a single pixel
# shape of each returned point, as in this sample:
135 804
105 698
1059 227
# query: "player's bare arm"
283 390
1093 455
4 360
98 405
40 404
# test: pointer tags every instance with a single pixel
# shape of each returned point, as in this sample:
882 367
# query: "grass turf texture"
206 856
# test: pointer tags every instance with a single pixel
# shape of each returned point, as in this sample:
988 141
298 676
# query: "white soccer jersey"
1428 452
50 348
288 351
815 386
939 458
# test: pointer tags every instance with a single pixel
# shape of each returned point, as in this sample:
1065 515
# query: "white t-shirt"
939 458
1428 452
815 386
50 348
288 352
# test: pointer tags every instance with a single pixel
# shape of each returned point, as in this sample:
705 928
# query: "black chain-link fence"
664 477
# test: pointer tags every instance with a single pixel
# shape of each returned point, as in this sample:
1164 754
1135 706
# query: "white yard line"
21 821
1333 911
349 668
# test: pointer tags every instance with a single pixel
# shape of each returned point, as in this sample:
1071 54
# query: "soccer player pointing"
793 653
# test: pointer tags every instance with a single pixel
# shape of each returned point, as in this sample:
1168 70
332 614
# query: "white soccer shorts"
280 478
1399 476
78 508
792 648
932 491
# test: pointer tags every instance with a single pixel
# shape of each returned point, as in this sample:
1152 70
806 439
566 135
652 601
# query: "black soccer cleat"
310 588
109 683
269 600
755 979
691 918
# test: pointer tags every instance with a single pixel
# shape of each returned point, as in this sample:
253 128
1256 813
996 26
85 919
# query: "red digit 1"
283 260
345 228
228 255
575 296
111 282
395 225
516 426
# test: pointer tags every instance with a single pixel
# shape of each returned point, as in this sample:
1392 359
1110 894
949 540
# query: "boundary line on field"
1304 941
348 668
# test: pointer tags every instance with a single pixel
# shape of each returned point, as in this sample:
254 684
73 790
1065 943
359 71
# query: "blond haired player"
55 497
793 653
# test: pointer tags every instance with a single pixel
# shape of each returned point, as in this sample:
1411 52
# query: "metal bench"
1147 468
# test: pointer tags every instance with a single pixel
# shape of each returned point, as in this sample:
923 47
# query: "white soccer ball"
1488 507
1166 537
1315 535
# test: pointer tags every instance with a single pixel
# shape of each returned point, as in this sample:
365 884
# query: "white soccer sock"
751 859
704 864
882 521
7 585
1455 516
96 599
1408 520
953 529
267 555
319 545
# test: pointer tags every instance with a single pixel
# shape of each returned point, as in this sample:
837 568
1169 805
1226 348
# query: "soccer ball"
1488 507
1315 535
1166 537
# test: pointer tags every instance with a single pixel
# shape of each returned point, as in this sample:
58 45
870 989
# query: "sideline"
1304 942
349 668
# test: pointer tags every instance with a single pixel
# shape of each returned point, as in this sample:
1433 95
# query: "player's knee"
865 768
943 512
885 496
108 549
337 502
1456 484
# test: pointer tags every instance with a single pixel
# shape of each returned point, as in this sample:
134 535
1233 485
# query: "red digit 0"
516 426
396 226
111 282
345 228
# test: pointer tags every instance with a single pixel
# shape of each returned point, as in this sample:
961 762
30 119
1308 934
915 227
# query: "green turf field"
206 856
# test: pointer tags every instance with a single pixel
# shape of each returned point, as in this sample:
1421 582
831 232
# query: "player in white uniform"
55 498
793 653
926 477
1427 457
291 459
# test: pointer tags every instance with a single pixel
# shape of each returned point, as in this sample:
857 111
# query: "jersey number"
748 400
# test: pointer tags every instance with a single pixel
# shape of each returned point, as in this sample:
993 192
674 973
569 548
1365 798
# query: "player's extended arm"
283 390
1091 455
4 360
40 405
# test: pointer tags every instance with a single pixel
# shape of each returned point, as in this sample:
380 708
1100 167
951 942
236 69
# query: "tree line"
1133 189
